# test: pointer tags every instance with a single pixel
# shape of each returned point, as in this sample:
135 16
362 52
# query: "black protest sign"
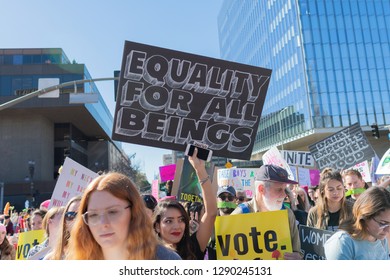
343 149
168 99
312 242
186 186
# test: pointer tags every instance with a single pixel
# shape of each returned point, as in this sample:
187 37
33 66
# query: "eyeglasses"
93 218
69 216
381 225
229 197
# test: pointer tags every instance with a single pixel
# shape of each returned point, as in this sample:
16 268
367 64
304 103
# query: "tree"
125 166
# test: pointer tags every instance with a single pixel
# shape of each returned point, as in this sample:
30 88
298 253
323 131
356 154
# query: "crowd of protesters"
112 220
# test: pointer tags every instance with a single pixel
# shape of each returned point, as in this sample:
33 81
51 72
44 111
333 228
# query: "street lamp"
31 169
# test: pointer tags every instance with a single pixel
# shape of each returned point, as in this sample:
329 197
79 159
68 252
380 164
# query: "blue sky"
93 33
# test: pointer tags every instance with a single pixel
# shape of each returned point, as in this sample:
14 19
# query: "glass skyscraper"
330 62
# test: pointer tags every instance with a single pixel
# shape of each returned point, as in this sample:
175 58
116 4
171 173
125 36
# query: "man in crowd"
354 183
226 197
271 182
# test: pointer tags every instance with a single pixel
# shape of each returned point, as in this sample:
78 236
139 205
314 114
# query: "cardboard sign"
273 156
298 158
186 185
312 242
364 170
168 99
384 164
242 179
343 149
73 180
314 177
27 240
253 236
167 172
155 189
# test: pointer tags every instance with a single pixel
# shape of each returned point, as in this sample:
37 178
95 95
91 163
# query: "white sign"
364 170
273 156
384 164
49 82
298 158
242 179
73 180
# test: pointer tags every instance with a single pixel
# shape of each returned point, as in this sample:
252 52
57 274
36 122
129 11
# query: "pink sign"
167 172
155 188
314 177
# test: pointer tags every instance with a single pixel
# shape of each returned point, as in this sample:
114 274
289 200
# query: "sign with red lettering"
169 99
73 180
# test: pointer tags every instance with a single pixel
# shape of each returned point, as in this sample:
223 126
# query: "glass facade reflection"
54 64
329 61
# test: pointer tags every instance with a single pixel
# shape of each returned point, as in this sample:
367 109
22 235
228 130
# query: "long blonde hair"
63 234
141 240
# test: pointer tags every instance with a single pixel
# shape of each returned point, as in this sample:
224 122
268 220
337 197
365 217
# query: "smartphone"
203 154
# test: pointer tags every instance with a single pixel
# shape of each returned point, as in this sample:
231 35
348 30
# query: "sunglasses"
69 216
229 197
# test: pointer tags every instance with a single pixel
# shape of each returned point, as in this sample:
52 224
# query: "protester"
114 224
331 208
354 183
37 219
7 219
226 197
171 221
150 203
168 187
271 182
302 199
241 197
50 224
64 231
7 251
312 193
226 203
363 236
291 202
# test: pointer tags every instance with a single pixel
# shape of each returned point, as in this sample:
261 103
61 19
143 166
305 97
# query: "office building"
37 134
330 63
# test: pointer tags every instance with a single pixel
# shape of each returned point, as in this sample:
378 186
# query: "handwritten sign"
242 179
273 156
73 180
168 99
312 242
27 240
363 169
298 158
254 236
167 172
343 149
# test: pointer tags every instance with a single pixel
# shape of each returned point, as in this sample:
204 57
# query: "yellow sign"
27 240
254 236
